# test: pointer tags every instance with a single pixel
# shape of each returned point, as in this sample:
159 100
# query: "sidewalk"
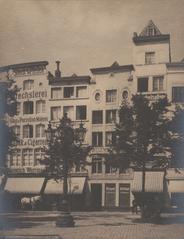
91 225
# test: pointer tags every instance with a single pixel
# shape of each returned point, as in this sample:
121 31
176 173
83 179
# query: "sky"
83 34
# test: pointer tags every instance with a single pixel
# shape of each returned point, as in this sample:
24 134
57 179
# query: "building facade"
94 99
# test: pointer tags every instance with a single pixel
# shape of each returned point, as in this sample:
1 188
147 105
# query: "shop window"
96 166
69 110
81 91
110 138
28 107
28 131
178 94
40 131
158 83
110 195
110 116
81 112
149 58
97 139
55 113
28 84
97 117
142 84
56 93
40 106
28 157
68 92
111 96
124 195
16 158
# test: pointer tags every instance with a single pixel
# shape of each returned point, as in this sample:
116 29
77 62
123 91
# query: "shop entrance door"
96 193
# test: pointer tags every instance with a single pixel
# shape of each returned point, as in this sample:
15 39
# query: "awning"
176 186
75 186
154 182
24 185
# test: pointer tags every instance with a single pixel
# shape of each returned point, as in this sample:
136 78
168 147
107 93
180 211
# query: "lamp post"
65 138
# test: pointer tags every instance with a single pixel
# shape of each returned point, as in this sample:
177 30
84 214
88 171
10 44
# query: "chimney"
57 71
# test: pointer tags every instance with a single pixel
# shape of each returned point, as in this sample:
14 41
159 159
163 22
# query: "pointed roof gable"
150 30
150 34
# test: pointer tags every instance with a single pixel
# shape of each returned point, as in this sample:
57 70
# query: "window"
40 131
97 96
56 93
18 108
149 58
39 154
81 91
55 113
40 106
111 96
28 131
69 110
28 84
81 112
142 84
110 116
16 131
125 95
96 165
178 94
68 92
28 157
158 82
97 117
28 107
110 138
16 158
97 139
110 169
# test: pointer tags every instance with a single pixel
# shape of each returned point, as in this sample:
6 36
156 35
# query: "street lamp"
66 139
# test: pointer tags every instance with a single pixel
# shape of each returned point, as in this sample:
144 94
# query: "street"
90 225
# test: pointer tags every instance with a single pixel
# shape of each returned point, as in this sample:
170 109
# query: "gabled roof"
115 67
150 33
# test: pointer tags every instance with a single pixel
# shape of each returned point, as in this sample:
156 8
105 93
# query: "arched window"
28 84
40 106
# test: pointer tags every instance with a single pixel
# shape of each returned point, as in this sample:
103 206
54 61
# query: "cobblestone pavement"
91 225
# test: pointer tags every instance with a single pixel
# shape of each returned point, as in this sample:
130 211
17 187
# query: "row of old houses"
94 99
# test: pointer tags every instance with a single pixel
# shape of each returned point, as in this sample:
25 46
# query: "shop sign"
31 95
31 142
27 120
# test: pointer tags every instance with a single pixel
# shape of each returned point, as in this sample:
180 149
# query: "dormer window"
151 31
149 58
